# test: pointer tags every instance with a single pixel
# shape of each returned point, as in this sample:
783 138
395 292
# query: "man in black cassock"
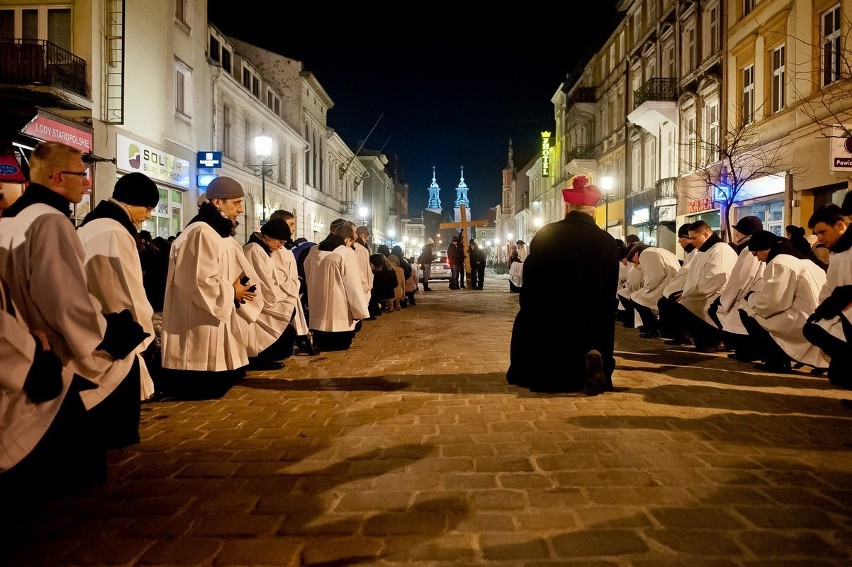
563 335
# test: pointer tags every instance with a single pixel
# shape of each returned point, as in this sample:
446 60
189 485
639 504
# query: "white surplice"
787 294
288 279
23 423
276 312
706 279
747 271
335 297
200 319
114 277
659 266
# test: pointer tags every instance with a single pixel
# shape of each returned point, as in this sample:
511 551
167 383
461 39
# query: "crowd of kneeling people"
80 350
777 302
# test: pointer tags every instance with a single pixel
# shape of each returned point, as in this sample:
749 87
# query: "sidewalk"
411 448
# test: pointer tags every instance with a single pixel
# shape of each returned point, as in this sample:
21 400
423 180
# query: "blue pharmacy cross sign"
209 159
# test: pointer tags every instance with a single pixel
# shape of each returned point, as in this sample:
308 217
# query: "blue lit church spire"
434 195
461 198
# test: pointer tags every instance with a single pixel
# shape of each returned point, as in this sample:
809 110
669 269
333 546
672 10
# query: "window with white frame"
636 167
251 81
52 23
711 124
831 48
637 25
183 11
226 60
690 56
611 57
219 53
650 161
670 63
712 29
273 101
183 88
670 167
689 155
778 78
747 104
227 130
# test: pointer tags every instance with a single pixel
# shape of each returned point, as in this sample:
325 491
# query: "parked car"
440 267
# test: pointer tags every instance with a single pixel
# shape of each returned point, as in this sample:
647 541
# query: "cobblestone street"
411 448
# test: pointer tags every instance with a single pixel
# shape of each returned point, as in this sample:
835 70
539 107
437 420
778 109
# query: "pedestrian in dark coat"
477 265
570 277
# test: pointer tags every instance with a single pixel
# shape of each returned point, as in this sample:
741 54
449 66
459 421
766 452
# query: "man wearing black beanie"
114 276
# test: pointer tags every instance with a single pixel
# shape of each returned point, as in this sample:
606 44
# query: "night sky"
451 90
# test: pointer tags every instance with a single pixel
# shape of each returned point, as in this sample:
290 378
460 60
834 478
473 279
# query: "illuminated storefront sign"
50 129
156 164
640 216
841 149
545 154
698 205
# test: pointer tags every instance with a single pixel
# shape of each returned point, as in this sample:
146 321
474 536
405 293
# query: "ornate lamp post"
263 149
363 212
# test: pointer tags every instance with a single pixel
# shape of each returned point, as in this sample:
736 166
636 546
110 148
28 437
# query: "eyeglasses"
77 173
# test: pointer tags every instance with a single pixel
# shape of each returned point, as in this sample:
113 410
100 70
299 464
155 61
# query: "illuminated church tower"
461 199
434 195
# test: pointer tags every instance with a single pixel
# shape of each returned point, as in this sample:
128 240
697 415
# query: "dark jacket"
455 254
567 305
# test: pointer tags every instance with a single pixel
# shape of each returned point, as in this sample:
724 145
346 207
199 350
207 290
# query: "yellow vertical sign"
545 154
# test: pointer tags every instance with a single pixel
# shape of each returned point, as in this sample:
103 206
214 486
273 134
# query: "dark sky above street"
451 89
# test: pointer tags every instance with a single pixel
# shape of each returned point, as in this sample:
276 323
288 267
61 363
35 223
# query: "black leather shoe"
595 380
265 365
775 367
650 335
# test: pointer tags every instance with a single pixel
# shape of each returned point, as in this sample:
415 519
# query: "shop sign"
545 154
841 149
698 205
667 213
210 159
640 216
10 169
49 129
135 156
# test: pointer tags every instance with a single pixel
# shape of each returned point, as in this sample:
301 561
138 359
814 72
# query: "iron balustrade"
40 62
580 152
582 94
657 89
667 188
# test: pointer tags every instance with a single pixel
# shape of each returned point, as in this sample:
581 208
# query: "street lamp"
606 187
363 212
263 149
392 234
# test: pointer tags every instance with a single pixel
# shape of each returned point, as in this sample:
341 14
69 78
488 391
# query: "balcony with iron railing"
582 94
654 102
656 89
40 62
580 152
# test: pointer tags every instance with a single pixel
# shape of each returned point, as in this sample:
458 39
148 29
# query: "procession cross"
463 225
